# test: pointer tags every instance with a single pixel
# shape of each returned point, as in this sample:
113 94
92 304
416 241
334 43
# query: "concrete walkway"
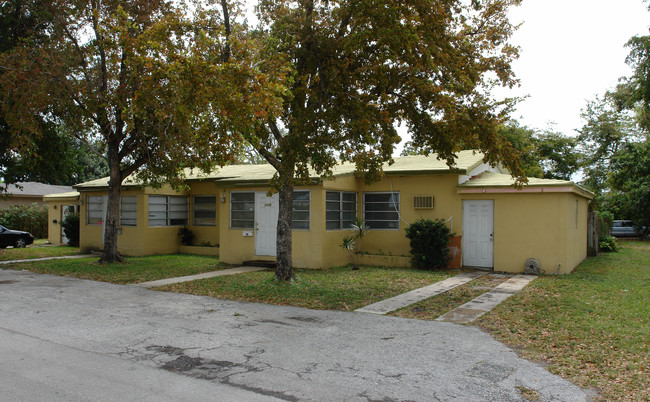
169 281
48 258
414 296
472 310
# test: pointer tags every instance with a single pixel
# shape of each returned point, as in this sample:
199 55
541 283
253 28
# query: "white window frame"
204 207
340 209
171 207
252 221
369 222
92 210
308 210
129 208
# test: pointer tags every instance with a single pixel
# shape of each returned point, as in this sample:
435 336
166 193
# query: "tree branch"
270 158
345 22
276 131
225 57
128 170
103 71
75 42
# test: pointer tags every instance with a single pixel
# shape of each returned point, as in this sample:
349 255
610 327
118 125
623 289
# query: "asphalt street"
70 339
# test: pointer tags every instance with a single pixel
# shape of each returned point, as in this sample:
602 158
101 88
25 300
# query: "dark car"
14 238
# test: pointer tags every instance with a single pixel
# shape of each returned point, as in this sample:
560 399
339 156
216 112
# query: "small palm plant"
353 243
349 244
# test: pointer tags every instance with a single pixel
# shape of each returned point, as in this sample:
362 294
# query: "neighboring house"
28 193
500 226
58 207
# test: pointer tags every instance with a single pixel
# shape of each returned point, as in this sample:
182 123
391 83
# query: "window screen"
340 210
242 210
128 210
168 210
381 210
301 209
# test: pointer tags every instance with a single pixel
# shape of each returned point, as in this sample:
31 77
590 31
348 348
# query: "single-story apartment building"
28 193
499 226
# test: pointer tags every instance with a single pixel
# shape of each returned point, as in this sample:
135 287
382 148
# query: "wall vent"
423 202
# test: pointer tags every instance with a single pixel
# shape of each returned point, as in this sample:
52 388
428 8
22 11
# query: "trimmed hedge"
29 218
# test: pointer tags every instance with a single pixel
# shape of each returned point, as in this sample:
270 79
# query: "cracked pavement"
71 339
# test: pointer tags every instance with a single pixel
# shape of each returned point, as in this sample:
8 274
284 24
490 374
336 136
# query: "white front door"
478 233
266 223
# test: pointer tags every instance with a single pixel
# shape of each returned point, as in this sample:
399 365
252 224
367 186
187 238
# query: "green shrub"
28 218
70 227
186 235
429 244
607 243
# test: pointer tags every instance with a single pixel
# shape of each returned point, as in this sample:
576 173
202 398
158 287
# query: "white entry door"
478 233
266 223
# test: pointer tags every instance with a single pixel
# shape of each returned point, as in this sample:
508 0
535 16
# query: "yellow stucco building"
231 212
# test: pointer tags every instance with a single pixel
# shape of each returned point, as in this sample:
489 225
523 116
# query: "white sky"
571 51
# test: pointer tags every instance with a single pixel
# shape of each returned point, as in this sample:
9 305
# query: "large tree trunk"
284 269
110 253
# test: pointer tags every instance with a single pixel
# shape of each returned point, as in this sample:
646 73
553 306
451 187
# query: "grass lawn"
331 289
8 254
434 307
591 327
136 269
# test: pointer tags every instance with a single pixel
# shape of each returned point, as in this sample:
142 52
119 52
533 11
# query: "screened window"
340 210
301 209
242 210
381 210
94 210
171 210
128 210
205 210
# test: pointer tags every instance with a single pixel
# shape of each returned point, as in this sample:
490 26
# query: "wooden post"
592 234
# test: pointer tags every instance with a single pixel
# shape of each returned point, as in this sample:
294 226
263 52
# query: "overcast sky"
571 51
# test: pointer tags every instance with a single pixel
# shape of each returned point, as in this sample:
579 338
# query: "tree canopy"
360 67
160 89
52 156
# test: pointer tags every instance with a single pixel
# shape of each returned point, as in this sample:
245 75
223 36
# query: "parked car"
623 228
14 238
